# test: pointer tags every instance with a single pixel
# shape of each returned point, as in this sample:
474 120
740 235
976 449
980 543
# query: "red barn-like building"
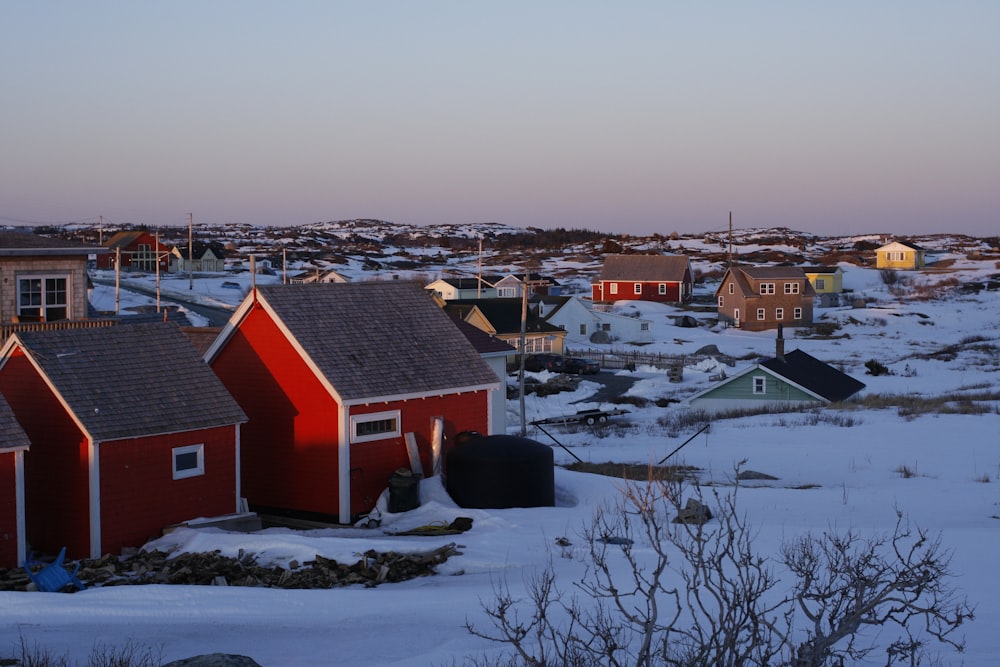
662 278
334 377
13 443
137 250
130 431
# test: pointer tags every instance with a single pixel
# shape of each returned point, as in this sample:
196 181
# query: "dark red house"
13 443
136 250
662 278
130 431
334 377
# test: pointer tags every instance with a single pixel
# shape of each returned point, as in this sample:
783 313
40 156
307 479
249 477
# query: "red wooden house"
136 250
13 443
662 278
130 431
334 377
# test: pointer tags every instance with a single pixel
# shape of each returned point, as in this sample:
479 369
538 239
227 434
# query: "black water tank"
500 471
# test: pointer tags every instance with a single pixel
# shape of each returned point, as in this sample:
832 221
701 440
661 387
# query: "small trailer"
588 417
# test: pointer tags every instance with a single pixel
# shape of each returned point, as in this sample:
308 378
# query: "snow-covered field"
835 474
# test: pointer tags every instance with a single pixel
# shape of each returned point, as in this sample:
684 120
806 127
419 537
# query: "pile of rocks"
214 569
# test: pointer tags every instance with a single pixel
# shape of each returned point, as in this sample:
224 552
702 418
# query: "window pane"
186 461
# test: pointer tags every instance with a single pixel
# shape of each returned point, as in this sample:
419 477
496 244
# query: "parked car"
544 362
580 366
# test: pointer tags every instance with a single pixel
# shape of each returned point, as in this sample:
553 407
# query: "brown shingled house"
757 298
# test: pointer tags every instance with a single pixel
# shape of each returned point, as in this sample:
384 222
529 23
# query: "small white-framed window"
760 314
820 283
791 288
613 288
732 288
605 326
375 426
643 326
722 302
797 313
43 298
767 288
663 288
583 329
506 292
637 288
779 313
188 461
759 384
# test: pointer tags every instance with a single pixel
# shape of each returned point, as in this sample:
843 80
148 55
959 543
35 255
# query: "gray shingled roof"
770 272
22 243
644 267
378 339
12 436
132 380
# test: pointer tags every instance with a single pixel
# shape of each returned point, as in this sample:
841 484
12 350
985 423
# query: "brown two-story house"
757 298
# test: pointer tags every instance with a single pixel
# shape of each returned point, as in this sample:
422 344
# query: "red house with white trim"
661 278
13 443
334 377
130 432
136 250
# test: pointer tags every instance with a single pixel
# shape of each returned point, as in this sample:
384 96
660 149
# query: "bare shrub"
845 582
659 592
889 277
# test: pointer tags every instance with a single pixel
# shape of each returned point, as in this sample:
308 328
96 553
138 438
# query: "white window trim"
43 277
767 288
759 384
372 417
663 288
732 288
761 314
196 471
722 301
637 288
779 313
797 314
791 288
613 288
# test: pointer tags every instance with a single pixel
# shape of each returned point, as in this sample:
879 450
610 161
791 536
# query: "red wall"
8 511
139 496
626 292
289 446
55 468
373 462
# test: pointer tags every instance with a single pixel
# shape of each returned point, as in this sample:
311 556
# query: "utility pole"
118 277
100 231
190 251
523 342
156 254
730 238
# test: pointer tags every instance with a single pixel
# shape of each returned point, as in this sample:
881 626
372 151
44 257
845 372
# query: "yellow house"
825 279
900 255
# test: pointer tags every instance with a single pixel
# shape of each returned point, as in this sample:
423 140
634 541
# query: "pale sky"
632 117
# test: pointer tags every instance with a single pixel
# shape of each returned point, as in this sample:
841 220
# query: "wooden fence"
8 328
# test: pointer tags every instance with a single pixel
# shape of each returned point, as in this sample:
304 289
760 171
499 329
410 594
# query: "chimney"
779 344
